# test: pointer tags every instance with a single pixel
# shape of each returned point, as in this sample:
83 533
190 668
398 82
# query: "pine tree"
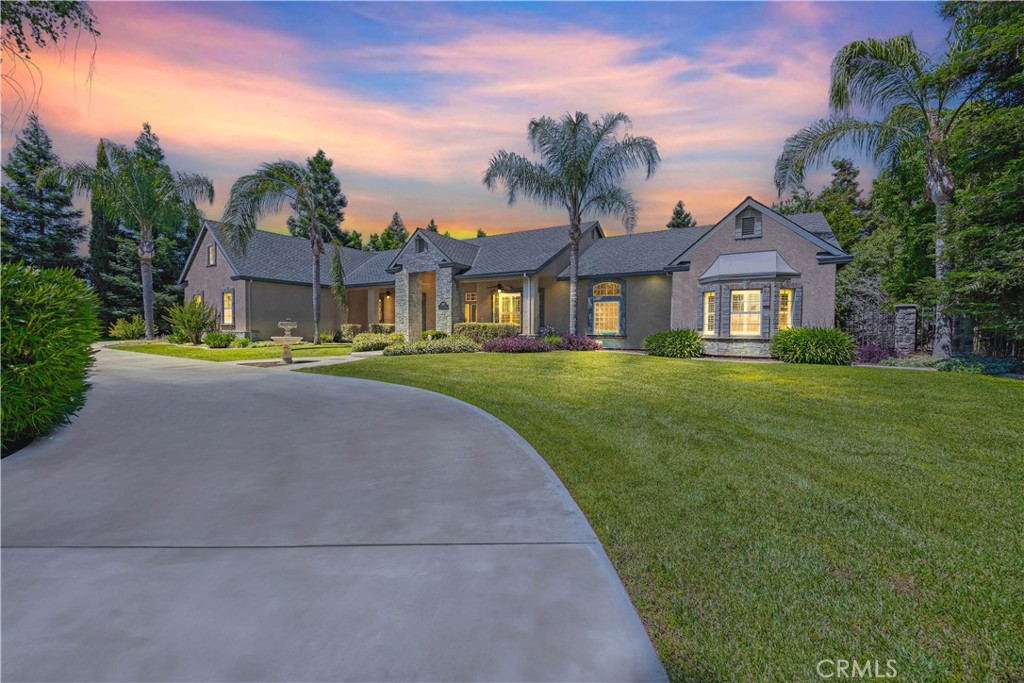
103 236
396 230
681 218
480 232
38 224
432 226
330 201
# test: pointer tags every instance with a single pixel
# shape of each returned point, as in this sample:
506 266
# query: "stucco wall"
272 302
211 281
648 301
818 281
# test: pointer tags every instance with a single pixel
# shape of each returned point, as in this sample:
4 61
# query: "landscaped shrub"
516 345
382 328
49 319
453 344
192 319
552 339
918 360
427 335
349 331
815 345
263 344
576 342
327 337
128 328
977 365
373 341
218 340
872 353
178 337
674 344
483 332
241 343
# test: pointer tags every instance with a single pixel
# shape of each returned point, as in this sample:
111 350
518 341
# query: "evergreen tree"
38 224
393 237
330 202
480 232
354 241
840 201
432 226
103 236
681 218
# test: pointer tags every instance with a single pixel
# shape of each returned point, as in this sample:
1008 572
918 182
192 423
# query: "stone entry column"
444 295
408 305
905 339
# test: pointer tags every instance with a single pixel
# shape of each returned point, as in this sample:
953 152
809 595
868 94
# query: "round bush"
241 343
218 340
814 345
349 331
49 319
674 344
373 341
577 342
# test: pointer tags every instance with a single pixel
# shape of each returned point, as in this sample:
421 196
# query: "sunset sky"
410 100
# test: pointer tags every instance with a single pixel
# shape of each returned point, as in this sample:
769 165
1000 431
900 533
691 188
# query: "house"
738 281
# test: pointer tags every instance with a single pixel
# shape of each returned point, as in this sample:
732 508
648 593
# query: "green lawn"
262 353
764 517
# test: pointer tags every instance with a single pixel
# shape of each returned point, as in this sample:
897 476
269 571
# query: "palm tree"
582 165
917 104
139 190
267 190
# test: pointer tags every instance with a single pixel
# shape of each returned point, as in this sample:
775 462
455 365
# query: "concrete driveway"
211 522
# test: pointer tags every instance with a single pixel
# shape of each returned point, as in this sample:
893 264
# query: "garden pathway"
209 521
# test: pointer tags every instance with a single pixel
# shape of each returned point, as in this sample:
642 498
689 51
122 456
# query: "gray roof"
520 252
748 264
283 258
816 224
641 252
462 252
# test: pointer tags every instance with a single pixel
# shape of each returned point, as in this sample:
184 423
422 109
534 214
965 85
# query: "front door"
510 307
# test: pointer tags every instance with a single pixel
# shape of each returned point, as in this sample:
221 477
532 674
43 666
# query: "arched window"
607 309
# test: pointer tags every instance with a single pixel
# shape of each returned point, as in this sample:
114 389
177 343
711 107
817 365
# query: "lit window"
211 255
606 307
785 309
228 302
470 308
197 297
510 308
745 320
709 313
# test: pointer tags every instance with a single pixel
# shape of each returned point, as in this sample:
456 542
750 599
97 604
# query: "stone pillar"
444 296
905 338
408 304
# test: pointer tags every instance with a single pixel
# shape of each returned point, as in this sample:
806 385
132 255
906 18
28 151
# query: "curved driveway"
212 522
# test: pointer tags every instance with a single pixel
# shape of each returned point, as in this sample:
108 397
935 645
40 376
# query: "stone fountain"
287 339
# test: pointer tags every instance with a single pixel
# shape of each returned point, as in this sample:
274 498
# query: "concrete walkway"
213 522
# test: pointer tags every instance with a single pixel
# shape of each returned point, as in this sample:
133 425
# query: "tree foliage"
104 231
330 202
681 218
39 225
840 201
392 237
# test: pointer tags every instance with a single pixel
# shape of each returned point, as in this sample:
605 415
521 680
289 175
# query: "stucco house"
738 281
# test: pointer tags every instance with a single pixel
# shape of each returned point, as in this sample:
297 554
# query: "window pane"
211 255
229 308
745 320
607 289
606 317
509 308
709 313
470 313
785 309
470 297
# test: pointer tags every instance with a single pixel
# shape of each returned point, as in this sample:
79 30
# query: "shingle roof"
457 251
520 252
642 252
816 224
283 258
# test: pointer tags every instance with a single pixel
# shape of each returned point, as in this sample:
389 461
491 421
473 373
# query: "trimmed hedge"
218 340
49 319
128 328
484 332
674 344
576 342
427 335
453 344
382 328
814 345
372 341
517 345
349 331
192 319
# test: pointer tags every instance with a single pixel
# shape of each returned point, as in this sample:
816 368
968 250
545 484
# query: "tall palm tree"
915 104
581 168
267 190
139 190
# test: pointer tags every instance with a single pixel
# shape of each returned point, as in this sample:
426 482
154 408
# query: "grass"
764 517
261 353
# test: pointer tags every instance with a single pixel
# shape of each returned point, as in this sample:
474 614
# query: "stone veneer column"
402 286
905 338
444 297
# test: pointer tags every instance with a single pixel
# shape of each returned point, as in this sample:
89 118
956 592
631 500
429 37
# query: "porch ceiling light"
500 288
387 294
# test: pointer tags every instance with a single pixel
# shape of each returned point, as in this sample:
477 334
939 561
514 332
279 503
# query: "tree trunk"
316 296
940 192
146 253
574 272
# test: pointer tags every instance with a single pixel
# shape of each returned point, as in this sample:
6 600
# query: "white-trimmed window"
785 309
228 307
606 308
709 313
510 308
470 307
745 317
211 255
